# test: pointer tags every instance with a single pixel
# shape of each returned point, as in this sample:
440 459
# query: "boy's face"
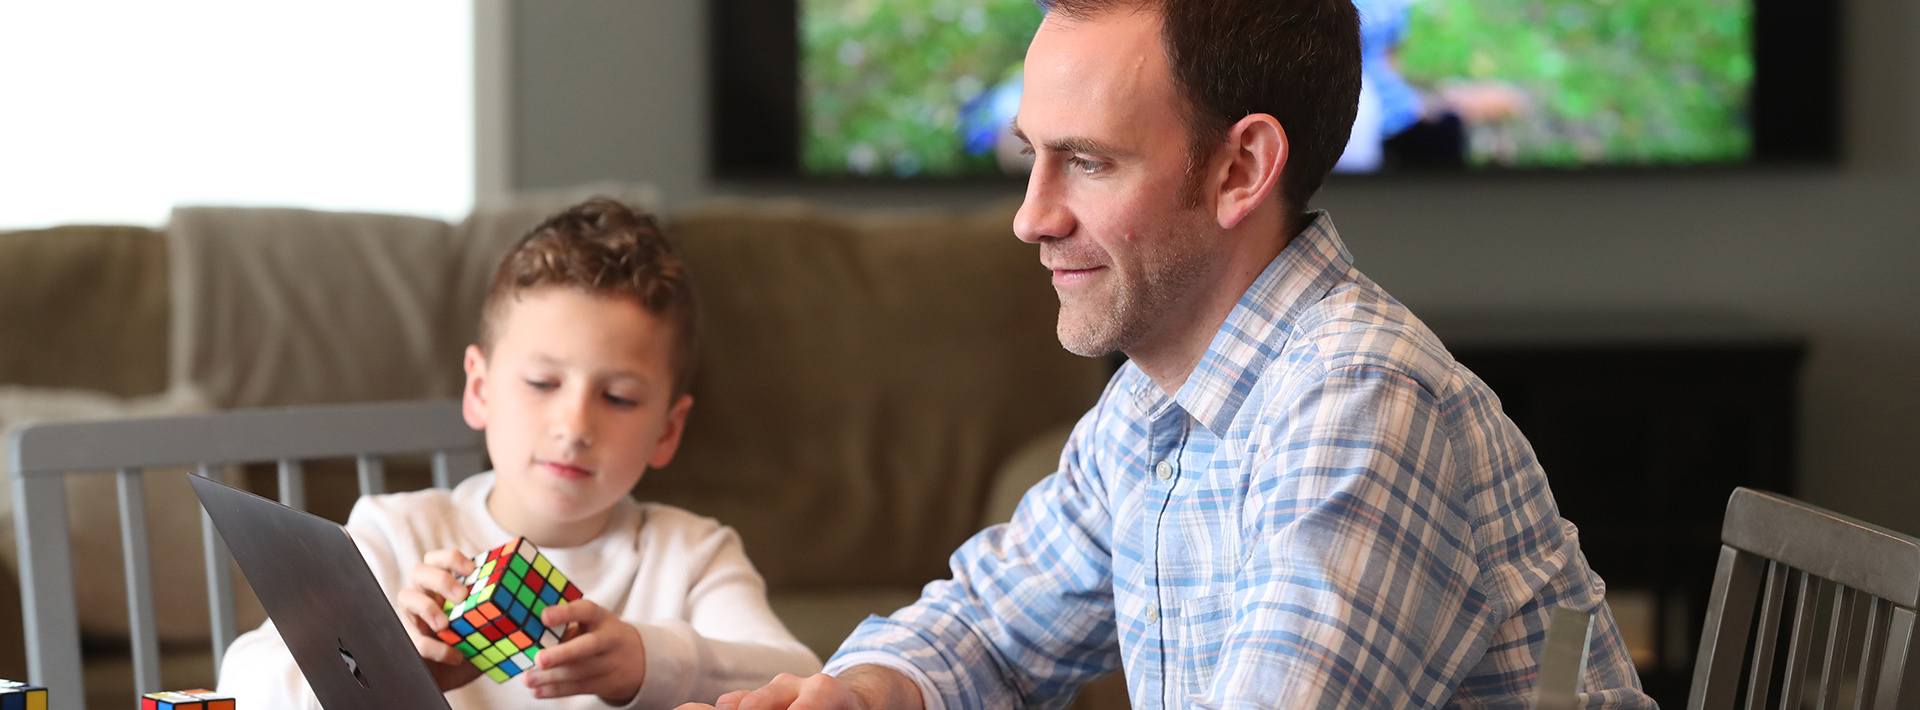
576 400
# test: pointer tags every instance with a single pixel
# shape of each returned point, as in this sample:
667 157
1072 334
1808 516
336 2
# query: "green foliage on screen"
1611 81
882 82
1607 81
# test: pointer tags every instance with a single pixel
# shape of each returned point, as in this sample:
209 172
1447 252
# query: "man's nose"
1043 215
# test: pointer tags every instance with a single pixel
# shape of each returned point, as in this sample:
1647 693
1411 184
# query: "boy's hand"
604 656
422 605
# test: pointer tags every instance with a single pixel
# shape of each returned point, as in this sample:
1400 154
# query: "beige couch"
873 389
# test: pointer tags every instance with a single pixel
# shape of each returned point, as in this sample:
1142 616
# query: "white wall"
616 90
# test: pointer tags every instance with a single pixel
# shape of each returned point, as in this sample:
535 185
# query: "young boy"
580 382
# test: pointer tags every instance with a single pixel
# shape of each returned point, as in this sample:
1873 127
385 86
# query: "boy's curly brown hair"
606 248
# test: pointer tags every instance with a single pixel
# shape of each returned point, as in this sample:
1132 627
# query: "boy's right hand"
422 605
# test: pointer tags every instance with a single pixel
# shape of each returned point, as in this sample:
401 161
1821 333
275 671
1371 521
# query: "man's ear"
1257 155
473 398
669 442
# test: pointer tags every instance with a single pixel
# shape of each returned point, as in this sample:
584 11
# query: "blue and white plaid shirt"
1331 512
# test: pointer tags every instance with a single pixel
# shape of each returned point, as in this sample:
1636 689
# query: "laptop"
317 589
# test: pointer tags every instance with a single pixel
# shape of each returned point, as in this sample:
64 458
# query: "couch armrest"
1035 459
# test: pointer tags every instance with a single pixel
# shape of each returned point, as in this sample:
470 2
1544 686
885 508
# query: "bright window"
114 112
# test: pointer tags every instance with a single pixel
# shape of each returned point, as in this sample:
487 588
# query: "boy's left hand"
604 656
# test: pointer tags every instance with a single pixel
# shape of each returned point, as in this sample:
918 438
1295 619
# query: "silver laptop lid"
326 603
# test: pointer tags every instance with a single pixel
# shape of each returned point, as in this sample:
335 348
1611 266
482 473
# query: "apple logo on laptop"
353 666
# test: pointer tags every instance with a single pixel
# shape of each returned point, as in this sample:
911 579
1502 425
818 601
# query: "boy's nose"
573 425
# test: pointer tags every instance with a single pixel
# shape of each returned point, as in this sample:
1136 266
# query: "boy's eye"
619 401
543 385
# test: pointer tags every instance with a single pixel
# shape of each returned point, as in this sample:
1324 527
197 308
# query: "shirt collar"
1259 326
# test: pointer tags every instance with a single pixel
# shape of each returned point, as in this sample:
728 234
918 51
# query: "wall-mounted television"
924 89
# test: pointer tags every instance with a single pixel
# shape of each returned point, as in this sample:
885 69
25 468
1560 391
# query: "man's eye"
1085 166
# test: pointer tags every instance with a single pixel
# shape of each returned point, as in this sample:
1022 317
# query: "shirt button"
1164 470
1153 614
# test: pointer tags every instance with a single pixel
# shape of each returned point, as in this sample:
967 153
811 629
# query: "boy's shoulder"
404 508
663 524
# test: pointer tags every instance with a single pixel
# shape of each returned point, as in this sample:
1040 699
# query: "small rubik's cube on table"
497 627
15 695
196 699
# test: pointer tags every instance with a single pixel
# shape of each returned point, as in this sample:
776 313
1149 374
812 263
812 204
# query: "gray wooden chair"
1563 660
1846 593
43 454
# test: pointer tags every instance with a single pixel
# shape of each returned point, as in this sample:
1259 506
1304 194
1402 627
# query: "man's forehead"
1086 74
1113 46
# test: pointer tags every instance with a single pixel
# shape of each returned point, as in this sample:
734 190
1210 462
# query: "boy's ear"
669 443
473 401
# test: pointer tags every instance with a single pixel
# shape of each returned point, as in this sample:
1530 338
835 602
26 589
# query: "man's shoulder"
1358 326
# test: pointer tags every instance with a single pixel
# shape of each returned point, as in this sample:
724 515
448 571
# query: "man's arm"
856 688
1027 616
1362 587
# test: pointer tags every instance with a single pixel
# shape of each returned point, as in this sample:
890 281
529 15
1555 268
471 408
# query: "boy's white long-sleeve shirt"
683 580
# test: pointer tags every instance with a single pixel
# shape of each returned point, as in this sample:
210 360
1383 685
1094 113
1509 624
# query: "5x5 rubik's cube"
196 699
497 627
15 695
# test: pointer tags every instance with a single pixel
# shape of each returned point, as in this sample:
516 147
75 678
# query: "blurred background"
1662 334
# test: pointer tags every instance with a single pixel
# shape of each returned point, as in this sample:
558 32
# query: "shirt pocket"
1204 622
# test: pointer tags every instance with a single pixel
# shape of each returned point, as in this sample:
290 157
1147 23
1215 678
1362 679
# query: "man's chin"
1081 339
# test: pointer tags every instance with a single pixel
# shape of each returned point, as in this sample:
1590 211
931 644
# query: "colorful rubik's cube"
196 699
15 695
497 627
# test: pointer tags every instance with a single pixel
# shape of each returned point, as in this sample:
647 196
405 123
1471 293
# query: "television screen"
926 88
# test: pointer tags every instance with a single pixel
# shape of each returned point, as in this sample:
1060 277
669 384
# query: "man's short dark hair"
1296 60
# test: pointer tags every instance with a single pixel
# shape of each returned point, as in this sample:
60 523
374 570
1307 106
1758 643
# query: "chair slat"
373 475
1800 643
293 484
139 579
1723 641
1897 688
46 584
1876 644
220 611
1772 599
450 467
1563 659
1839 643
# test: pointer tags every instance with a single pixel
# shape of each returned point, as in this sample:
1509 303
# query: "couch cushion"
84 307
862 378
283 306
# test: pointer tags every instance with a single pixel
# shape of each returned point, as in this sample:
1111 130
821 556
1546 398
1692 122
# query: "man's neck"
1169 356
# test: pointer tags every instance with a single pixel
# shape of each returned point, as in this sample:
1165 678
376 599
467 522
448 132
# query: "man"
1291 496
